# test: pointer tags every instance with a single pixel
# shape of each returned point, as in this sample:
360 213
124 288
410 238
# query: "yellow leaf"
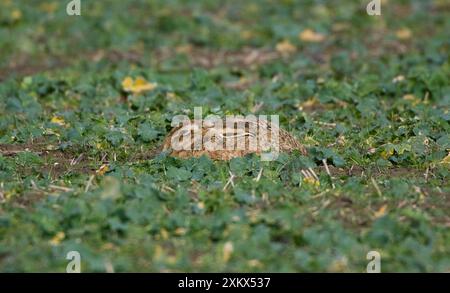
56 240
140 81
142 85
102 170
164 234
171 96
51 132
201 205
107 246
180 231
184 49
398 78
227 251
409 97
137 86
254 263
100 145
158 253
340 26
127 84
446 160
285 47
16 14
246 34
49 7
311 181
412 98
311 102
338 265
311 36
403 34
381 212
171 259
58 120
386 154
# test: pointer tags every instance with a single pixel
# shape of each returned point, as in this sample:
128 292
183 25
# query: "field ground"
79 162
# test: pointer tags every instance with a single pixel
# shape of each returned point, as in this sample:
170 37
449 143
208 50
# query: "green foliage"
78 163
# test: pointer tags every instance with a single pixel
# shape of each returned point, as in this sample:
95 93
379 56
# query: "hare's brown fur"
287 143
